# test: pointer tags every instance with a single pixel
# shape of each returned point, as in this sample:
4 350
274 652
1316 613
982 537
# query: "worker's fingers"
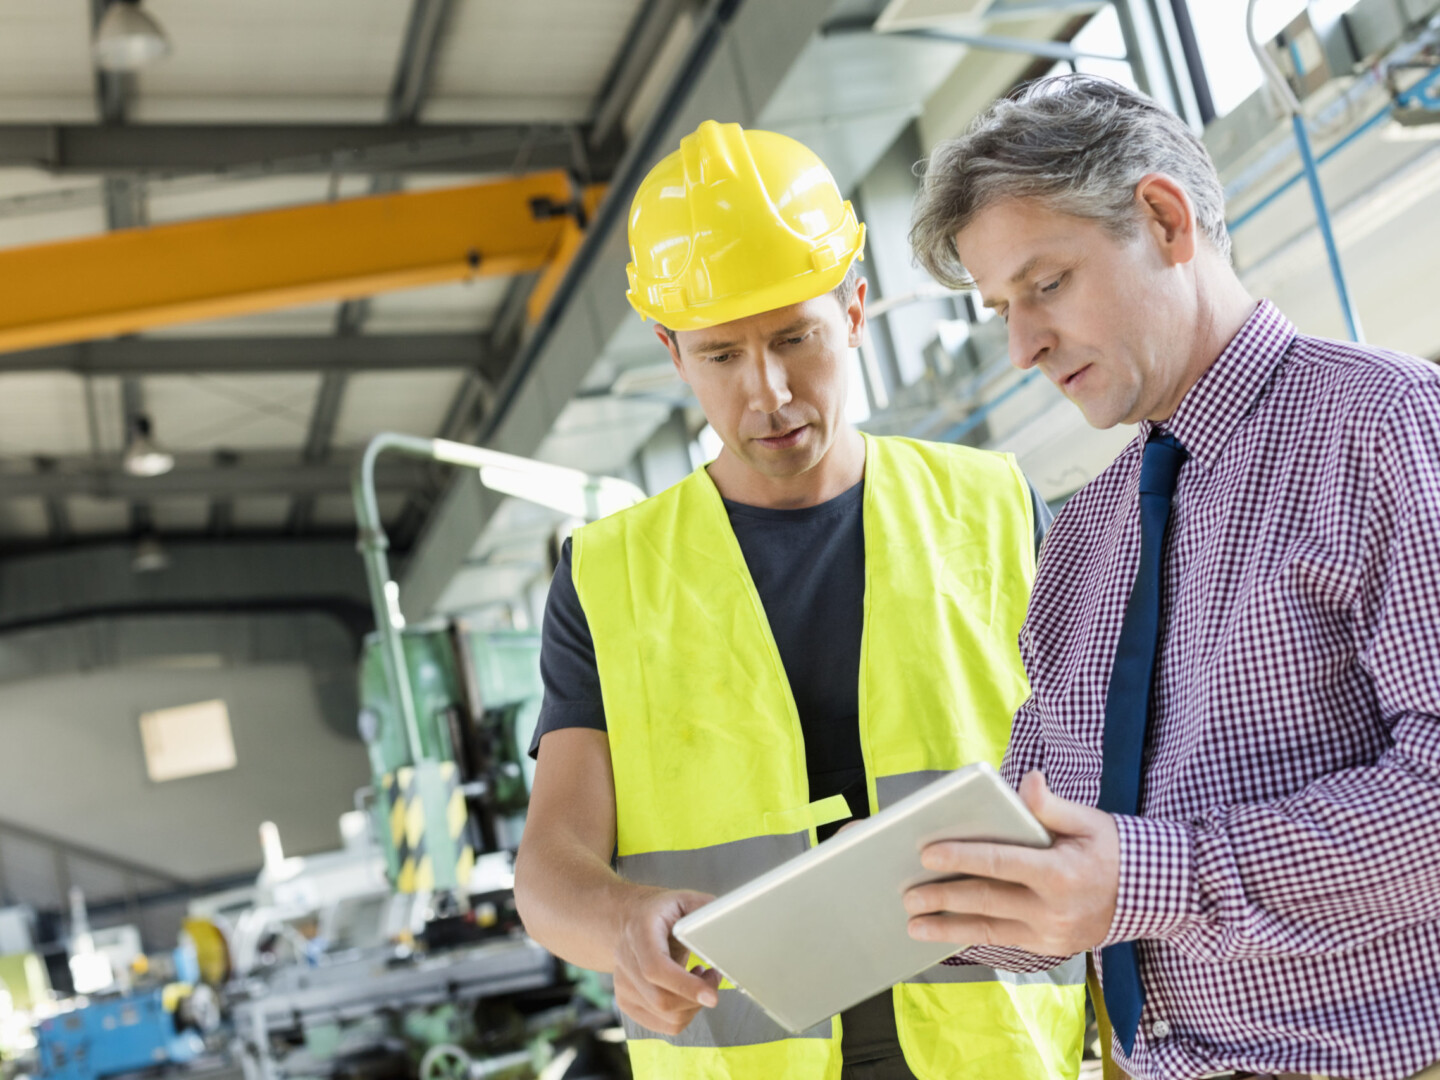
652 997
980 897
998 862
969 930
663 972
634 1004
671 1021
709 974
660 959
1061 816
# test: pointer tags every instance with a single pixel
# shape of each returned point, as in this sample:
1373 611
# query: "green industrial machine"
476 698
447 713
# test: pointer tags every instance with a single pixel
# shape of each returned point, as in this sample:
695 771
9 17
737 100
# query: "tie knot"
1160 465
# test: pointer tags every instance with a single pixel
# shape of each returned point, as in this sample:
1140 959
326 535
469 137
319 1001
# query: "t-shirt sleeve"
1043 517
567 661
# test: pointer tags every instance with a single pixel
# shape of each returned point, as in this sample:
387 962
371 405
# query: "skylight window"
190 740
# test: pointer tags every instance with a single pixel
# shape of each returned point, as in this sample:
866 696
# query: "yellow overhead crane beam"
137 279
570 239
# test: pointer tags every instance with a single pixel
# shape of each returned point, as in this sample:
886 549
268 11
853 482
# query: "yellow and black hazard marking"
457 817
425 843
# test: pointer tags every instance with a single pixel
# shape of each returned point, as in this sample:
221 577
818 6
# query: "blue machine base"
111 1036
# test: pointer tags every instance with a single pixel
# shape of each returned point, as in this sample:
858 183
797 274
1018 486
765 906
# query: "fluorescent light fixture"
555 492
128 39
143 456
571 493
1395 131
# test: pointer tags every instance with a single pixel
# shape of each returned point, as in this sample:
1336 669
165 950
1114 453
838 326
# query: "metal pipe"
976 418
1194 62
1131 34
599 494
1050 50
1374 121
373 544
1307 158
1327 233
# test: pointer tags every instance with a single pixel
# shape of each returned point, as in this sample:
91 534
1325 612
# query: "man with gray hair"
1233 642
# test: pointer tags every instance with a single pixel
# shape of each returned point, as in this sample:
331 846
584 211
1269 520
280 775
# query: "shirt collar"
1213 408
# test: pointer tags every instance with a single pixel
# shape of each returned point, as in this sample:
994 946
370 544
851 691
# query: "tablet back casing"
827 929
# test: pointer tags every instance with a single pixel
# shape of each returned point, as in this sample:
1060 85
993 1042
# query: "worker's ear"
1168 216
670 346
855 313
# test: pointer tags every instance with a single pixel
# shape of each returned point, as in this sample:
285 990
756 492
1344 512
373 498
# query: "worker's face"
773 385
1105 318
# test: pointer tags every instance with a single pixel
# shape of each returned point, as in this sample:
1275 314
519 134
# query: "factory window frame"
189 740
1230 67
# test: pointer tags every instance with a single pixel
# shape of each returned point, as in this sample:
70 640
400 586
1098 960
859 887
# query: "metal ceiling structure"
307 114
264 411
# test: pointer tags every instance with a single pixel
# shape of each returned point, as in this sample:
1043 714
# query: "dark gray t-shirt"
808 566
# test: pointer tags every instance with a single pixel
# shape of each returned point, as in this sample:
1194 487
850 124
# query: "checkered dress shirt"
1283 879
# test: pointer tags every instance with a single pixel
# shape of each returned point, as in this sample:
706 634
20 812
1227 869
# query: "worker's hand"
1053 902
652 986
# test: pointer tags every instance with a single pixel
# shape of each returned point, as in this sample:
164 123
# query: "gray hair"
843 293
1079 144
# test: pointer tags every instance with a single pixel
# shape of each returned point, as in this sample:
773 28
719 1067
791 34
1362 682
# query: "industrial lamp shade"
127 39
143 457
149 556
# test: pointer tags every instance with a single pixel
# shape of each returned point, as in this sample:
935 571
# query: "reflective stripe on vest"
735 1021
709 759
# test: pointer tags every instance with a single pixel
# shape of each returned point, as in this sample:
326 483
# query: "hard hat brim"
781 294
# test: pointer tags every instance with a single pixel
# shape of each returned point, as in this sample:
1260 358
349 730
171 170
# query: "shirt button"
1160 1029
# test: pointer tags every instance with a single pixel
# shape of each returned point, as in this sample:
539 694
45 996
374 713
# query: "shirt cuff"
1003 958
1159 895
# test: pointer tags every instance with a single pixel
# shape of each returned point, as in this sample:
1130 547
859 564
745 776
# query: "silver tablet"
826 930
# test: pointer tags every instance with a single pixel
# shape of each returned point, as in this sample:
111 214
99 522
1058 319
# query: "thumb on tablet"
1060 816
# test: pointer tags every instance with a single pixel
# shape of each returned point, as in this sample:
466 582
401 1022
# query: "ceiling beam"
113 89
416 68
646 36
323 419
503 343
254 355
125 208
414 71
198 474
139 279
242 150
57 514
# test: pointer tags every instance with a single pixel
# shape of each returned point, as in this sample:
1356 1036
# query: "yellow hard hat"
735 223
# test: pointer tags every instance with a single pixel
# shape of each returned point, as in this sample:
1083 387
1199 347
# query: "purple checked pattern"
1283 878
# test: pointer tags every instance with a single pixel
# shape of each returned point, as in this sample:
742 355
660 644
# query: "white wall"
71 765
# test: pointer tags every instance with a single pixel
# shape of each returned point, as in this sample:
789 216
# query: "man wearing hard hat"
804 631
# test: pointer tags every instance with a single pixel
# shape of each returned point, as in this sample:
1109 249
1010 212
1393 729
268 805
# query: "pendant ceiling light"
143 456
149 556
127 39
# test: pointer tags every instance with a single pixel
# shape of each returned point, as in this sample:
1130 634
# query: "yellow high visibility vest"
710 777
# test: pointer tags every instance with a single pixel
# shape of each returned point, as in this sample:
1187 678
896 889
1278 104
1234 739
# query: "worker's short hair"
844 293
1077 143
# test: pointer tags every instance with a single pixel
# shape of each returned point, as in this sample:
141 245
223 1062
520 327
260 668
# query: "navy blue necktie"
1127 705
